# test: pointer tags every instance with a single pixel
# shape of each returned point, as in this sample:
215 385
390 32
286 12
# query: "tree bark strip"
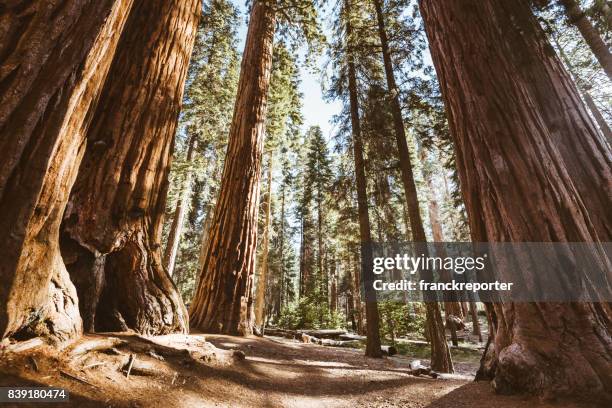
118 201
533 169
46 94
260 297
176 229
372 316
223 301
440 354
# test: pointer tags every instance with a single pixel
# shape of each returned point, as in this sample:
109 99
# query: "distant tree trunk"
475 323
333 292
176 229
46 95
451 305
357 292
440 354
113 222
591 36
367 262
281 254
260 295
533 169
223 301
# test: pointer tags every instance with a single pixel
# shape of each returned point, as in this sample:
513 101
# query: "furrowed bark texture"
372 316
440 354
112 226
533 168
223 302
54 57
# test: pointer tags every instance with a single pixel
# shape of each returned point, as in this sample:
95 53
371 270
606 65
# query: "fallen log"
339 343
288 334
352 336
324 333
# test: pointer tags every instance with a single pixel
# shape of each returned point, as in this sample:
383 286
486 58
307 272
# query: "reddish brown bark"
114 216
223 302
440 354
262 280
533 169
46 93
372 316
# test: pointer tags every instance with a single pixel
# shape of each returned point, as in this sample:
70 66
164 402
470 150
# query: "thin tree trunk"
373 333
46 97
333 293
475 322
260 296
281 253
176 229
440 354
533 169
223 302
591 36
180 210
115 213
357 292
451 305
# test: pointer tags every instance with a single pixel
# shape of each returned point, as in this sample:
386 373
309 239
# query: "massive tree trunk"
112 226
533 168
176 229
46 94
591 36
223 301
440 354
260 296
367 262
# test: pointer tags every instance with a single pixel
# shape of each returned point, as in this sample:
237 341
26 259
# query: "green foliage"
309 314
399 320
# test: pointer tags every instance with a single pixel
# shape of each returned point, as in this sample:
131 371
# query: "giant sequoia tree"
46 97
223 300
523 136
112 226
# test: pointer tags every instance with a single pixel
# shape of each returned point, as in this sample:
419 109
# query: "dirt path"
276 373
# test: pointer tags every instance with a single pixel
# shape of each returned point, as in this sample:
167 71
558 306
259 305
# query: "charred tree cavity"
112 225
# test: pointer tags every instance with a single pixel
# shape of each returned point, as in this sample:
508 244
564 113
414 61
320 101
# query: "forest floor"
185 371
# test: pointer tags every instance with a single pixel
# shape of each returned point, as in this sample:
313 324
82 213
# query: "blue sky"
316 111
